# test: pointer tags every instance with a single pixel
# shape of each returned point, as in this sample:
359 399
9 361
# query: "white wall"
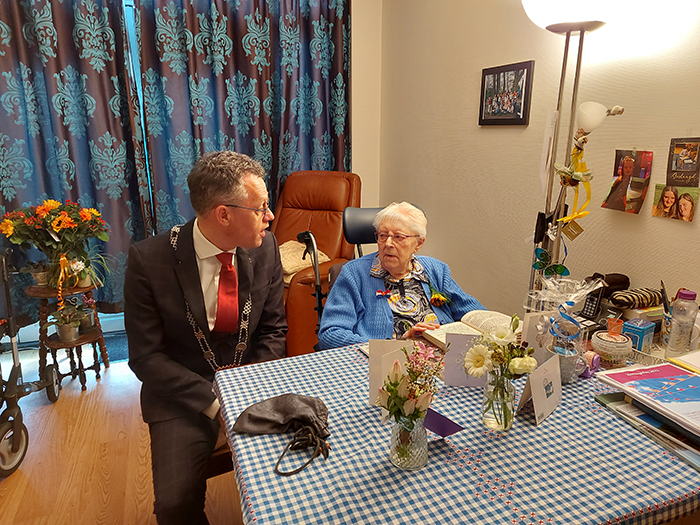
366 88
480 185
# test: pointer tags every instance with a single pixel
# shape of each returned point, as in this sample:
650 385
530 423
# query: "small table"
581 465
51 343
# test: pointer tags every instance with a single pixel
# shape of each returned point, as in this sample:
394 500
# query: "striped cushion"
636 298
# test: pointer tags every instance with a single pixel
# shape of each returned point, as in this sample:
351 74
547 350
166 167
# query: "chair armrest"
307 277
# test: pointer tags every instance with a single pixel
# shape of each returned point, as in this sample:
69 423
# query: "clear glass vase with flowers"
499 355
406 395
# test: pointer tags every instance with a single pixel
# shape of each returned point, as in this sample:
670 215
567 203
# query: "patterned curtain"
66 132
269 78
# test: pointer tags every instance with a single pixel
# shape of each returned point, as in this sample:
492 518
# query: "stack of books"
662 401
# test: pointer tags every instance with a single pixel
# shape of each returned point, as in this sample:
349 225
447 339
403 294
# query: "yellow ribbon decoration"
63 277
576 173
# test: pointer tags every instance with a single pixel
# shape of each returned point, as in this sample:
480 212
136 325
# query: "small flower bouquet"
499 355
407 396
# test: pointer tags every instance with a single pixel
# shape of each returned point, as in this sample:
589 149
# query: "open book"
475 322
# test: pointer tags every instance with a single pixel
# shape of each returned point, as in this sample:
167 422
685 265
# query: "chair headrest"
357 225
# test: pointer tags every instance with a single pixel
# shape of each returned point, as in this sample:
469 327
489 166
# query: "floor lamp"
566 17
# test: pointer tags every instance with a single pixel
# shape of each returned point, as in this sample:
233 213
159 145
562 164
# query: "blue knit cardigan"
354 314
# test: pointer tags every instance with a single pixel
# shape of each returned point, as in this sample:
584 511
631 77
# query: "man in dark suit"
178 286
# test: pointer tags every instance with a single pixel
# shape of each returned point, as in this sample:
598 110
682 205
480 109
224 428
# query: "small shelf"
52 342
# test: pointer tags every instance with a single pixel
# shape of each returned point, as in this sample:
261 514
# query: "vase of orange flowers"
60 230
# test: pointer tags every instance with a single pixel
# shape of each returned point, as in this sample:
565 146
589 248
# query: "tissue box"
641 332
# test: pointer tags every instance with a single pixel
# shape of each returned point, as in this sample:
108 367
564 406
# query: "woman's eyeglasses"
398 238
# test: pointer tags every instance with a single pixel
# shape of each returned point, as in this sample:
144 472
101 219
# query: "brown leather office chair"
313 201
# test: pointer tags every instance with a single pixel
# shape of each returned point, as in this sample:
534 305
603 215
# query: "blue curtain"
66 131
265 78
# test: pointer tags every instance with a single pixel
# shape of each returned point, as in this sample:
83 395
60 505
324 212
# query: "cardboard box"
641 332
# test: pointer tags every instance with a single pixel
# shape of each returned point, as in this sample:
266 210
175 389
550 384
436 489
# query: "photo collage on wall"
630 181
678 198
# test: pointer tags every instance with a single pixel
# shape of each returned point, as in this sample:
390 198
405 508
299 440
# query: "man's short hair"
218 176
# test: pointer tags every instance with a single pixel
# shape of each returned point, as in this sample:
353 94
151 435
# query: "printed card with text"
544 387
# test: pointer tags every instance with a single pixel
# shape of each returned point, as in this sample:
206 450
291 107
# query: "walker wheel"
53 385
9 460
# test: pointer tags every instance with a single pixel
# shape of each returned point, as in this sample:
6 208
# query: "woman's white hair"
404 213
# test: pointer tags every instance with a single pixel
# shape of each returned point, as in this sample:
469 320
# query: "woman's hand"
418 330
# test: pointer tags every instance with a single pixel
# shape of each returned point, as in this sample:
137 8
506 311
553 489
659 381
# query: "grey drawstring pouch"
306 416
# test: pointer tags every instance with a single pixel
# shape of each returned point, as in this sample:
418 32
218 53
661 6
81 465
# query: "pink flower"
409 406
424 400
395 372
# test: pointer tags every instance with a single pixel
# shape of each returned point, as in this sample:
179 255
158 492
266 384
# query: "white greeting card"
544 387
382 354
458 345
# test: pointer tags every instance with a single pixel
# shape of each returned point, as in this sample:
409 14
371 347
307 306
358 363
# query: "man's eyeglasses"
398 238
262 210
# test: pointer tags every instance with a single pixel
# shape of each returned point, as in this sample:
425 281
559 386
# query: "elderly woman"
393 293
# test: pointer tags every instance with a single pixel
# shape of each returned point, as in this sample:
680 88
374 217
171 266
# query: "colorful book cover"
668 387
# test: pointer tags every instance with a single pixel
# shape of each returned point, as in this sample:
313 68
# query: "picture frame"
683 162
505 94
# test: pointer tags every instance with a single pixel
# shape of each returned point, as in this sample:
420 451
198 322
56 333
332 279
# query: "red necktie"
227 301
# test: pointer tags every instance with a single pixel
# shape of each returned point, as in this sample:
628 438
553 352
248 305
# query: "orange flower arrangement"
56 229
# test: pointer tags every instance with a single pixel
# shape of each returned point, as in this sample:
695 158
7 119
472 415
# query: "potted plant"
87 324
91 270
67 322
39 271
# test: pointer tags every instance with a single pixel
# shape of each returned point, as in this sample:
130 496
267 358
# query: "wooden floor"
89 458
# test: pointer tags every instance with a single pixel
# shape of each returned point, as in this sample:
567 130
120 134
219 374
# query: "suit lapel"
186 270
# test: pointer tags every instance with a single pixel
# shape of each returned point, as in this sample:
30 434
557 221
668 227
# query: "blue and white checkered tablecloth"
581 465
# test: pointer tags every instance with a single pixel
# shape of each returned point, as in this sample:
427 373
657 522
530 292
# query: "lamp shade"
590 115
560 16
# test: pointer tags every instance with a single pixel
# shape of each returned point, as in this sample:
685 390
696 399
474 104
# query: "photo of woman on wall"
675 202
666 202
686 207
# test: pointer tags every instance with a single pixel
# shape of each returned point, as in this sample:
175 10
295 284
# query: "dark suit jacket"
163 351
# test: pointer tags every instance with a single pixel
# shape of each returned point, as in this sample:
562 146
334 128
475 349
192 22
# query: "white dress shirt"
209 270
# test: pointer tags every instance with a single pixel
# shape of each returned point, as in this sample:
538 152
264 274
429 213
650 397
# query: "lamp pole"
549 220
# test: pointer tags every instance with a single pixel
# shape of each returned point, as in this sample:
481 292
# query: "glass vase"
409 444
498 403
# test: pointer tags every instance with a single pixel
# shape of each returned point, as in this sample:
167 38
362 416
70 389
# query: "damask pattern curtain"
65 131
265 78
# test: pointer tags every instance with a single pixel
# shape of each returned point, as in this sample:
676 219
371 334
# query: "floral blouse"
407 300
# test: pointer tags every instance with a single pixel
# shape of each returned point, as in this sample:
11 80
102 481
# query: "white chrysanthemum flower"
478 361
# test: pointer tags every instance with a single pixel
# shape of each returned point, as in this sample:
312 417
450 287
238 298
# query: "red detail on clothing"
227 300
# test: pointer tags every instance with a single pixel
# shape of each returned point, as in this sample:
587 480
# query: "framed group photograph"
505 94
